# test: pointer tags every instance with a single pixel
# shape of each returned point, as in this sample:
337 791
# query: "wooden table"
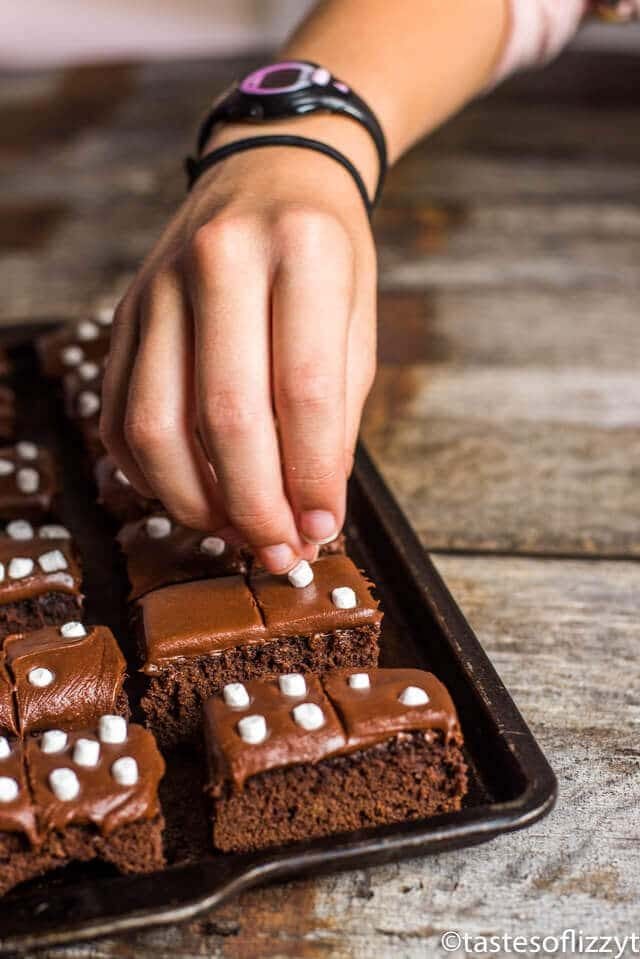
506 417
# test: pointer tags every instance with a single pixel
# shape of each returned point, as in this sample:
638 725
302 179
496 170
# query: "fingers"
160 420
311 305
361 355
229 287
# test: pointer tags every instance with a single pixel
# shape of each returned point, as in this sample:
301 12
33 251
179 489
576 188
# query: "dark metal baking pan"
512 785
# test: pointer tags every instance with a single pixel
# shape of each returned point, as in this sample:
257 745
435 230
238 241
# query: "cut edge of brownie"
413 775
52 608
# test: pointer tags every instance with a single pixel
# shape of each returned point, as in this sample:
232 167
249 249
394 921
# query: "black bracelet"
196 167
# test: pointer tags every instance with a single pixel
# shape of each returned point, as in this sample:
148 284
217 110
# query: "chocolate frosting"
176 558
119 499
88 675
355 719
38 582
14 503
18 815
50 348
7 709
101 801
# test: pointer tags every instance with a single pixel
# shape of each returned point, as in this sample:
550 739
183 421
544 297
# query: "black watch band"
289 89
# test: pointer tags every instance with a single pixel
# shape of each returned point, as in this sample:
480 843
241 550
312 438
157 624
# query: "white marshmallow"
125 771
72 355
6 467
236 695
52 562
20 566
28 480
413 696
5 748
64 783
309 716
64 579
87 331
104 315
19 529
158 527
54 531
88 404
40 676
343 597
253 729
88 370
292 684
72 630
53 741
213 546
301 574
27 450
9 789
359 681
86 752
1 572
120 477
112 729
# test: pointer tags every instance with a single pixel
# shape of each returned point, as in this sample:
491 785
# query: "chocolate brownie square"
28 481
65 348
196 637
65 676
160 552
8 719
81 795
40 584
83 401
116 494
302 757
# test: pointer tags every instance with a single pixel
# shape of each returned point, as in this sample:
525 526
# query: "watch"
293 88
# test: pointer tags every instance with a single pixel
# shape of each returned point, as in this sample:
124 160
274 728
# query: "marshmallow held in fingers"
301 574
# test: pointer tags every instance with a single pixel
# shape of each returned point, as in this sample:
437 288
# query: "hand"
244 350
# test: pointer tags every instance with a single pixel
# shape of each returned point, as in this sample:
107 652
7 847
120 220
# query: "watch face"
279 78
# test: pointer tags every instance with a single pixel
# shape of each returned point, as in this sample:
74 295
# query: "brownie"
300 757
49 534
7 413
80 795
28 481
160 552
40 584
65 676
196 637
117 495
66 347
83 401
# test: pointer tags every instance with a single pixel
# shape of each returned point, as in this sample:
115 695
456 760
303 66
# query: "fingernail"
318 526
277 559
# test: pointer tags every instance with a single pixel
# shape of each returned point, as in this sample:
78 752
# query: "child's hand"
246 345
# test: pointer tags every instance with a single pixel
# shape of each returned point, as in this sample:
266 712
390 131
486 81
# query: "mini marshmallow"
72 355
88 404
19 529
9 789
343 597
53 741
64 783
1 572
54 531
125 771
112 729
120 477
86 331
6 467
309 716
5 748
301 574
72 630
52 562
86 752
413 696
236 695
213 546
20 566
292 684
63 578
88 370
27 480
40 676
158 527
253 729
104 315
359 681
27 450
